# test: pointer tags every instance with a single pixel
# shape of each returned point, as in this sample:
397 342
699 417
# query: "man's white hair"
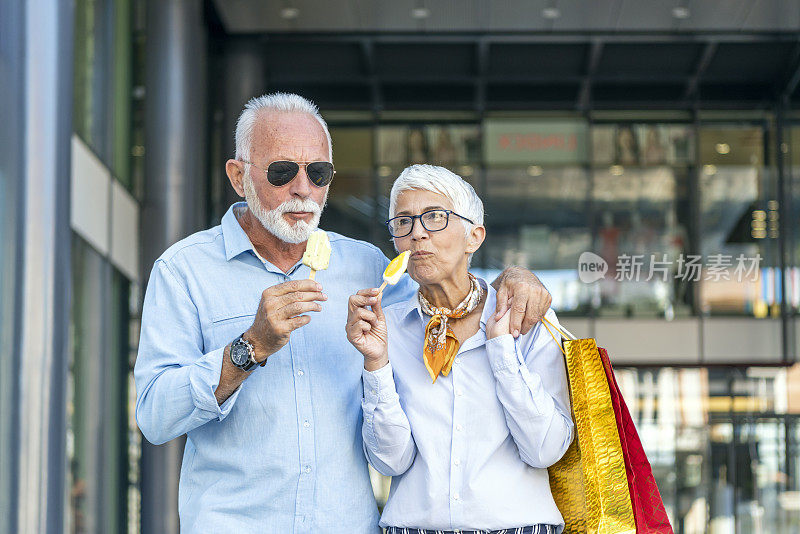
285 102
466 201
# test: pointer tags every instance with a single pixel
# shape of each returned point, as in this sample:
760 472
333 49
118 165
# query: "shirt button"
300 372
456 462
456 496
306 424
308 469
459 392
459 428
458 360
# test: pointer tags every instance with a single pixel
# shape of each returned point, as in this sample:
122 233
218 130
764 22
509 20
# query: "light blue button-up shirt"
283 453
471 450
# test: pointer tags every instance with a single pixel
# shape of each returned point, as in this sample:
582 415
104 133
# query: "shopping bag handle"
563 331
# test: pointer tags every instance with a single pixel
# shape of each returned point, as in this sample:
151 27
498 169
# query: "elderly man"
268 393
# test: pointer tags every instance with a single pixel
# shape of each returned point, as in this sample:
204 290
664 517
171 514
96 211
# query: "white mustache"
296 204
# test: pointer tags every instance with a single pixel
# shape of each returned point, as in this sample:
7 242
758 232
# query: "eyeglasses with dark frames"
432 220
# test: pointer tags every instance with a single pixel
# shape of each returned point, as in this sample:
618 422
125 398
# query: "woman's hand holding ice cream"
366 328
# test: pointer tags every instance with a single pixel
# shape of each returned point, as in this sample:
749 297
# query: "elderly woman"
465 417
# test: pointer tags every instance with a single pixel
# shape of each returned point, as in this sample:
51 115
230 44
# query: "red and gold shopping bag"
648 508
591 483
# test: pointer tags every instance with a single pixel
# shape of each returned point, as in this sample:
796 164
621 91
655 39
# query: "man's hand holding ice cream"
282 306
280 312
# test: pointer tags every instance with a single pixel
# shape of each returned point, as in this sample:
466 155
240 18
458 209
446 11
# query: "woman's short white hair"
286 102
466 201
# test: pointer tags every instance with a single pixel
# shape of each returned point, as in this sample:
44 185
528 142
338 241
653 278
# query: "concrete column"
243 77
174 193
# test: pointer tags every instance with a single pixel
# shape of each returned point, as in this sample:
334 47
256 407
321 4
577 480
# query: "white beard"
273 220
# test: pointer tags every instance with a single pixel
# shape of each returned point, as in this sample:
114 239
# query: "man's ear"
235 171
475 238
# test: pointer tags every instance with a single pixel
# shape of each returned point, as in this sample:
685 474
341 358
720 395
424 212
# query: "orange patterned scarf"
441 344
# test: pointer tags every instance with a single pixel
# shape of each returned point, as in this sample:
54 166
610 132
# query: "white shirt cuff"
502 353
378 384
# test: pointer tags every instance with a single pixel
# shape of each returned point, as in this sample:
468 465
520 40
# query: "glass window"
10 263
453 146
447 145
97 410
122 86
624 197
90 74
392 150
640 219
642 144
103 82
137 105
719 467
536 217
351 206
739 223
792 170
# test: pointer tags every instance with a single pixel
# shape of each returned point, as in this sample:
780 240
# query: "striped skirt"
535 529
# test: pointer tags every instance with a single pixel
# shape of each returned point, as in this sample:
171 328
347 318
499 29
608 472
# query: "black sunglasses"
282 172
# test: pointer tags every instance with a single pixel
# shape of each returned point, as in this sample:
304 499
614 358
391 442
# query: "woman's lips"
421 254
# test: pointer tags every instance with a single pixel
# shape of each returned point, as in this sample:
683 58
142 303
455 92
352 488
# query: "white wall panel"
124 231
91 182
649 341
742 340
577 326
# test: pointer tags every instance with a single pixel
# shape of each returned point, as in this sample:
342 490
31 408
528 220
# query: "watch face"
239 354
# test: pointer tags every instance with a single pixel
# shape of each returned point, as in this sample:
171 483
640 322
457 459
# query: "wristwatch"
243 355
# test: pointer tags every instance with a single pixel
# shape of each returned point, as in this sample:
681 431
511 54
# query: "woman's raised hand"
498 327
366 328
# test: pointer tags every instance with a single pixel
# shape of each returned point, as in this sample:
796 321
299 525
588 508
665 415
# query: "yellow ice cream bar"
396 268
318 252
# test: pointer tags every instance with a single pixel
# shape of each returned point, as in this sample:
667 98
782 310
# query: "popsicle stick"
312 275
383 285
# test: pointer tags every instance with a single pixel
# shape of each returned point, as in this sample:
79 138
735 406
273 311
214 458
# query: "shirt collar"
410 306
236 240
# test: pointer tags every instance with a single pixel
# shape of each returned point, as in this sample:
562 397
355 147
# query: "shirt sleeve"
175 378
386 432
531 384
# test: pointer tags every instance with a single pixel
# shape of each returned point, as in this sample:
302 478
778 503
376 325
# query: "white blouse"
471 450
